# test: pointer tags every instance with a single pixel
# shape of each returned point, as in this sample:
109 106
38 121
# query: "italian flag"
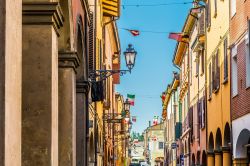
131 99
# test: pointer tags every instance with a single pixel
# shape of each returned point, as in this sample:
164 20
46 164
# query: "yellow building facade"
218 83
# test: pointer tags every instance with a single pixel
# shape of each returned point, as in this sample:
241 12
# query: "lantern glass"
126 106
130 56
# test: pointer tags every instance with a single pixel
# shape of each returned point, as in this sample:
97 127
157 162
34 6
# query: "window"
202 61
210 80
161 145
208 13
248 57
215 8
203 117
197 65
234 71
216 72
233 7
190 67
225 61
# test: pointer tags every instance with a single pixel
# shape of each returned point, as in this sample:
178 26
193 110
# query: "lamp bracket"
104 74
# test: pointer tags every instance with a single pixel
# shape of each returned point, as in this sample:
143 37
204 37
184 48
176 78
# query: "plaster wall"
218 108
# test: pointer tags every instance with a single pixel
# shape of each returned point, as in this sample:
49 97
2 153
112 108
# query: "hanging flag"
134 119
178 36
134 32
163 97
131 99
155 120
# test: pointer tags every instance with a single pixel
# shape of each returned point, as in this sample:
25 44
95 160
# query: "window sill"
225 81
234 96
216 90
202 74
248 87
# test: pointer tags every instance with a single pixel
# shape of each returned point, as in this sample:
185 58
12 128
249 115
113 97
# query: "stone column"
41 21
226 156
240 162
82 145
68 62
10 81
210 159
218 157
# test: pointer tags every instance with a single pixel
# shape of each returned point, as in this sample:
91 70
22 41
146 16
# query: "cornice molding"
43 13
68 60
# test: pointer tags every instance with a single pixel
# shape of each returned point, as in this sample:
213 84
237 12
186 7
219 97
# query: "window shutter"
225 60
201 29
208 13
91 43
217 71
215 8
213 72
210 80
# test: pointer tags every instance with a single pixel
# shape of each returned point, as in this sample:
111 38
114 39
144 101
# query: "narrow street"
124 83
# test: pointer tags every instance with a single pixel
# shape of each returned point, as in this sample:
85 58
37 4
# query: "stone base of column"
226 153
218 157
210 159
240 162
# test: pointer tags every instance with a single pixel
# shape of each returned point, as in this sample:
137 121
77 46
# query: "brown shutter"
208 13
213 72
217 70
225 60
91 43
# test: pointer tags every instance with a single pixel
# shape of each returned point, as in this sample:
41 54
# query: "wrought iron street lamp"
126 105
130 56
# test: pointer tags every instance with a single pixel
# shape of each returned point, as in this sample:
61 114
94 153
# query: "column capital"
68 59
43 13
225 149
217 152
82 86
210 153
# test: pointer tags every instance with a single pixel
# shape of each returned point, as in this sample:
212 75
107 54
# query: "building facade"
172 122
197 89
181 59
154 144
240 80
218 83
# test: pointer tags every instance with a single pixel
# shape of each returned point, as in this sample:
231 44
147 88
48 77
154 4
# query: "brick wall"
241 102
238 23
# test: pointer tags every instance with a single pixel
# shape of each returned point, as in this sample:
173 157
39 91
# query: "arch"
193 160
198 158
243 139
65 41
227 135
82 70
218 140
211 142
204 158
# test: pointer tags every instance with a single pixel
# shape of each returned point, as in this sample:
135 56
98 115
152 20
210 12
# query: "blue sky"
153 67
